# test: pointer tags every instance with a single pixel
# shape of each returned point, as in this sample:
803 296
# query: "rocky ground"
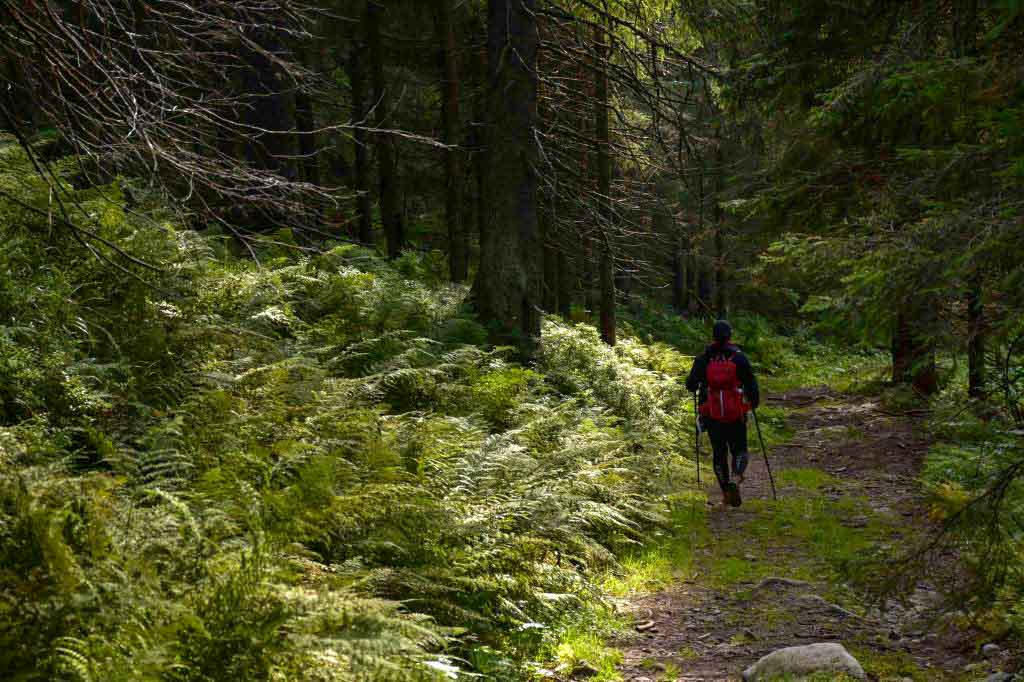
768 574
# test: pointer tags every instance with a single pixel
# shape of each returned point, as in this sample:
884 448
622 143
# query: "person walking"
727 389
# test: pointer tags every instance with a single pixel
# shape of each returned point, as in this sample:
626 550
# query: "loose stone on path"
805 660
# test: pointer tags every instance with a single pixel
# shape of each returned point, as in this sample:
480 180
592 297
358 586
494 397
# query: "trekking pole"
696 428
764 451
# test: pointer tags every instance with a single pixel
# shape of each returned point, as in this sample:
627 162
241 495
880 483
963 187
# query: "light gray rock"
804 661
990 650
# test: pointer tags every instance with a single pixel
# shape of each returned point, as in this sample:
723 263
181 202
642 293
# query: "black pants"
726 439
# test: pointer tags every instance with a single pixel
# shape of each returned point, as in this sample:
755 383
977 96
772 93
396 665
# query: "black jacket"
744 372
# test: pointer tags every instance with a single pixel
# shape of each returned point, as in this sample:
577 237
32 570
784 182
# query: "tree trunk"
305 121
478 143
509 277
270 110
901 349
975 339
550 264
678 278
721 293
704 288
913 352
391 211
458 243
565 285
607 294
691 284
364 206
604 191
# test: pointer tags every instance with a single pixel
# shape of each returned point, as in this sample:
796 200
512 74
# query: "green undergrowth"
803 534
974 478
671 556
583 642
309 468
808 479
315 467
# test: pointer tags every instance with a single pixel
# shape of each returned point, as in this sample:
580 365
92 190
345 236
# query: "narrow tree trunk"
364 206
678 278
719 274
458 244
589 285
480 173
700 265
550 264
975 339
391 210
478 143
721 293
607 294
565 285
509 278
691 284
901 349
305 121
604 191
965 29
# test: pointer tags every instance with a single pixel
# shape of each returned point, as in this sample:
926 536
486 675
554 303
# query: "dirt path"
764 576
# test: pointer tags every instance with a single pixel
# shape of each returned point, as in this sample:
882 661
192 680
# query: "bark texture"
508 283
390 194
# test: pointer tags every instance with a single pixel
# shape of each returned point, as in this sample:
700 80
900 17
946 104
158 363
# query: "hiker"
718 375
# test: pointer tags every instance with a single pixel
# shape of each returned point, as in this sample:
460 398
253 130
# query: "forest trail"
763 576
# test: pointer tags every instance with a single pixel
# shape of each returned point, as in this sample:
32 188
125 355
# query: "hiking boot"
732 495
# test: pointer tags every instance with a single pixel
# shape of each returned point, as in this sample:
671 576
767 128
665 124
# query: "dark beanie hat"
722 332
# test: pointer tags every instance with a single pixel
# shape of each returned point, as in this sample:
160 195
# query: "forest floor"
766 575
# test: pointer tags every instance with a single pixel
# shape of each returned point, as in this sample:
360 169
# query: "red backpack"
725 400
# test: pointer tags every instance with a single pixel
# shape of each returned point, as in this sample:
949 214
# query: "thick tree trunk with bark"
913 352
509 279
458 242
391 210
